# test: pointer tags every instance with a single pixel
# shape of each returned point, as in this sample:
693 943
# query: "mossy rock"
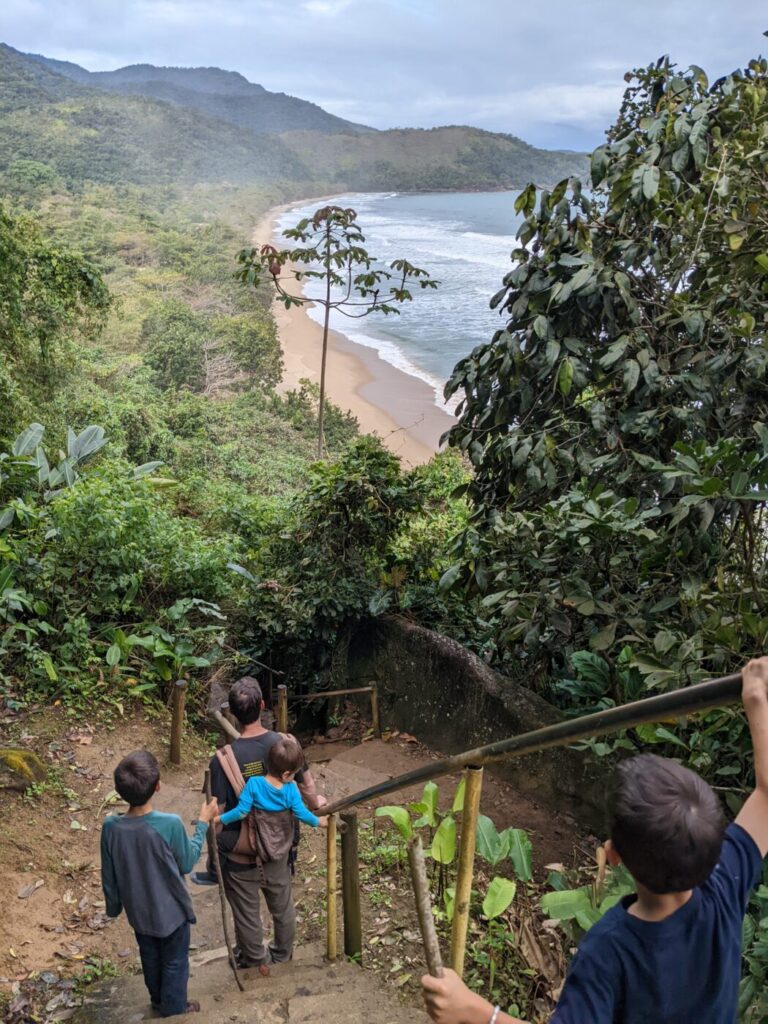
19 769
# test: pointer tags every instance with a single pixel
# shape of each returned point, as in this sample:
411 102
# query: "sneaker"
204 878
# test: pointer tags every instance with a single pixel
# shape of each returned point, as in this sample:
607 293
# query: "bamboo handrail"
319 694
704 696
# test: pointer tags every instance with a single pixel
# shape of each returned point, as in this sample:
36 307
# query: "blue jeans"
165 963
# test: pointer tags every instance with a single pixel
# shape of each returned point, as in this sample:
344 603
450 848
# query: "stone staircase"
306 989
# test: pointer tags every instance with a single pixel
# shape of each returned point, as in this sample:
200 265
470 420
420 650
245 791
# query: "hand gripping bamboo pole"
424 907
213 852
472 788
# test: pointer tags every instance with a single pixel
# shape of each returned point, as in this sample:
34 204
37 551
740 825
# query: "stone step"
299 991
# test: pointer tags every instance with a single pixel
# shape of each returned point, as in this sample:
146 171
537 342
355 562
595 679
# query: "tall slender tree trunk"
321 412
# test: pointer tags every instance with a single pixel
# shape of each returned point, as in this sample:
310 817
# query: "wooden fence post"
331 884
472 788
375 720
282 708
178 697
350 887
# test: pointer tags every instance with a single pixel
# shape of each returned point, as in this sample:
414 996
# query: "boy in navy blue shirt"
144 856
670 954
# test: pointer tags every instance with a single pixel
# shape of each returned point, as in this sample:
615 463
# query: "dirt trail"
51 909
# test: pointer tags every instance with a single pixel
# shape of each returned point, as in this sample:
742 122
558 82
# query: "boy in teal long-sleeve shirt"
144 856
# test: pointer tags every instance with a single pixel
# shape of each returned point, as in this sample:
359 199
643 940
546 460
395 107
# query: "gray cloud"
551 72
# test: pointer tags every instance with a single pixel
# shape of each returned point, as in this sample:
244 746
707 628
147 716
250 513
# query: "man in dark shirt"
243 879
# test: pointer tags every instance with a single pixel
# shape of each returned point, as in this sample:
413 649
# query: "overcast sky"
549 71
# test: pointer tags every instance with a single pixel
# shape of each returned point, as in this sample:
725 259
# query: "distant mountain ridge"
82 134
147 125
227 95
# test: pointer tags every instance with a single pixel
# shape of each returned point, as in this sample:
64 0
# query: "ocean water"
464 240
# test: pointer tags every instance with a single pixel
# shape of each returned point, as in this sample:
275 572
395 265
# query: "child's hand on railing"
323 821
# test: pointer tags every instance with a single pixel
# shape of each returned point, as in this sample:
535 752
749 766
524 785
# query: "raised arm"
753 816
298 807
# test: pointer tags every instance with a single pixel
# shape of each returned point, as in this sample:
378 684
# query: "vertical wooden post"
472 788
178 697
350 887
331 883
375 720
282 708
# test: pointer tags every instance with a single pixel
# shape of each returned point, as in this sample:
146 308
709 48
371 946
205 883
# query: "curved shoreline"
386 401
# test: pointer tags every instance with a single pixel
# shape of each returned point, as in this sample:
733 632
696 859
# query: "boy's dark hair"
285 756
667 824
245 699
136 777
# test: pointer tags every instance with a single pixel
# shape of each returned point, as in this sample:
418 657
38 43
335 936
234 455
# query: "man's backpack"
265 836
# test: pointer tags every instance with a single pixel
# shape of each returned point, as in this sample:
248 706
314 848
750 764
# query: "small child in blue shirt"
276 791
671 952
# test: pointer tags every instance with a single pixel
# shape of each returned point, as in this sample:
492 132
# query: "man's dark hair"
245 700
285 756
136 777
667 824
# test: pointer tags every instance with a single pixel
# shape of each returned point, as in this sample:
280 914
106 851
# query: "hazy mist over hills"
150 125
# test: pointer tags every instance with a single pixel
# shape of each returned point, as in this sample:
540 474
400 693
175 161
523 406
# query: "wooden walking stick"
424 907
213 853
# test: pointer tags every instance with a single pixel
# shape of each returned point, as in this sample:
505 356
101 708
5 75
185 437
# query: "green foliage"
399 816
317 571
82 552
617 425
175 346
51 296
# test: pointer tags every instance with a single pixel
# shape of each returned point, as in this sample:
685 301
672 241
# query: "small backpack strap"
231 768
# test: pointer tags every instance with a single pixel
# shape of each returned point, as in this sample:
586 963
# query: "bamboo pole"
472 788
282 708
689 700
331 899
323 694
375 719
213 853
424 907
226 726
350 887
179 698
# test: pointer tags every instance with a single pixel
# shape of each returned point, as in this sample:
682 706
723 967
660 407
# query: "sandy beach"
397 407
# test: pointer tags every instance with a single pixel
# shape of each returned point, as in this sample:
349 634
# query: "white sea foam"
456 238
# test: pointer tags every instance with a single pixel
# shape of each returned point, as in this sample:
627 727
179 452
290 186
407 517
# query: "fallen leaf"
26 890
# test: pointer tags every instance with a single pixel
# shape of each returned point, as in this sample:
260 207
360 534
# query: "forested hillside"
222 94
160 125
80 134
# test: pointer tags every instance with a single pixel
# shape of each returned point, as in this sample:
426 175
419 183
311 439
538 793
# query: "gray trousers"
243 889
